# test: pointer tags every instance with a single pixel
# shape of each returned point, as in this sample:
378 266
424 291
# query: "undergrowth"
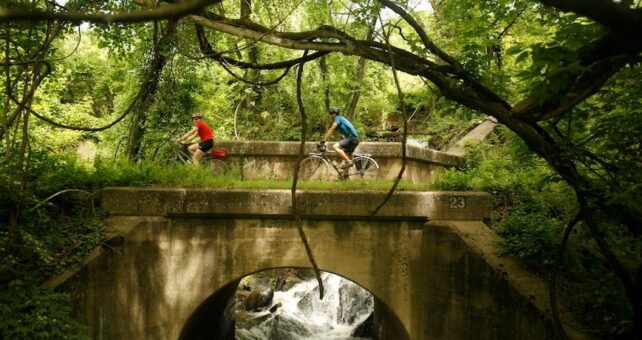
532 207
45 239
50 236
127 173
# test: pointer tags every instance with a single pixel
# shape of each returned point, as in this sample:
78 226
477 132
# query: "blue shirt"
345 127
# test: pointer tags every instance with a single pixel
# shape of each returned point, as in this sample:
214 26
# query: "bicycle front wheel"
366 168
315 168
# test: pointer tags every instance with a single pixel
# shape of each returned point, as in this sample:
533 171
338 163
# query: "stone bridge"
177 256
276 160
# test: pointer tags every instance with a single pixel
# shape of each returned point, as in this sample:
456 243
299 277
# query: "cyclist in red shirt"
206 142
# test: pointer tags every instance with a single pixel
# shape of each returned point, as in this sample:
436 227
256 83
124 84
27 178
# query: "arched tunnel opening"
284 303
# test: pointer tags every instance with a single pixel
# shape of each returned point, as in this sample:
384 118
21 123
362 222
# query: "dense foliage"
562 76
532 207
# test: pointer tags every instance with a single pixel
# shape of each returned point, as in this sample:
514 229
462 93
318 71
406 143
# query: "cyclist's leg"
340 147
345 148
202 149
198 155
353 143
192 148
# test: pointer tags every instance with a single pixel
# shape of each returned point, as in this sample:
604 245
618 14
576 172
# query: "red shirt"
204 131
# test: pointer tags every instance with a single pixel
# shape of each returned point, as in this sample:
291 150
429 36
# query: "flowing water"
302 315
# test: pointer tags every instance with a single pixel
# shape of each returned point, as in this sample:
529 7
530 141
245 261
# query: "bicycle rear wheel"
315 168
365 168
217 166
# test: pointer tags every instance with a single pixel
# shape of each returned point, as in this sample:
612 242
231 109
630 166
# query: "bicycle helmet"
334 110
197 115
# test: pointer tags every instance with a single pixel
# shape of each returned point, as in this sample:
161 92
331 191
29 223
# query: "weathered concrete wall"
475 136
441 279
164 270
276 160
470 298
440 288
480 244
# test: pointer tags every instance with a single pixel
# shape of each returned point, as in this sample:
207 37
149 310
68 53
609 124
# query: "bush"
532 206
530 236
27 312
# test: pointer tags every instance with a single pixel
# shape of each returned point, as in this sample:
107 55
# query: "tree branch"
405 125
619 269
295 209
552 288
422 34
616 16
208 51
164 12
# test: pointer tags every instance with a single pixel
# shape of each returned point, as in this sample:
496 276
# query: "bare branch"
620 270
257 83
295 209
408 62
552 288
405 125
208 51
91 198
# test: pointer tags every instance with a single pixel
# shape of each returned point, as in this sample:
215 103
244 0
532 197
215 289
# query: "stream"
302 315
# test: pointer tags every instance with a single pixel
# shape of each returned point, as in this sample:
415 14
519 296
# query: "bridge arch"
213 318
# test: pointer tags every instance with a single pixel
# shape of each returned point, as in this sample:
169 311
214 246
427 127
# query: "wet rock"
250 320
258 299
286 328
352 300
275 307
365 329
287 278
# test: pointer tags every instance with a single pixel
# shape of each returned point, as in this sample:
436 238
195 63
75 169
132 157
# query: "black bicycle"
318 166
215 159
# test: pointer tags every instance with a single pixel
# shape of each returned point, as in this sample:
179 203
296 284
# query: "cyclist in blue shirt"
351 138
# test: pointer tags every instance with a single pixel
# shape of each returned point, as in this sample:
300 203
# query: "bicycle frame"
217 165
186 157
361 161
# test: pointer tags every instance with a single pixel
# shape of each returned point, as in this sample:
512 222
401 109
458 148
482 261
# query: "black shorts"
206 145
349 144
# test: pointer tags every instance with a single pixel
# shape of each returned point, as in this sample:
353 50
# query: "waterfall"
303 316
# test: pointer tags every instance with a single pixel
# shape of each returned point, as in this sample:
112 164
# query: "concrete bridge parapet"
276 159
439 205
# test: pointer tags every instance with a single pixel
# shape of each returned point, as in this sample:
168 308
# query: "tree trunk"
361 71
146 99
249 101
323 66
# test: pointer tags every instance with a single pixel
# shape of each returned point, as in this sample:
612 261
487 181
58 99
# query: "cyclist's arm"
330 131
189 135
